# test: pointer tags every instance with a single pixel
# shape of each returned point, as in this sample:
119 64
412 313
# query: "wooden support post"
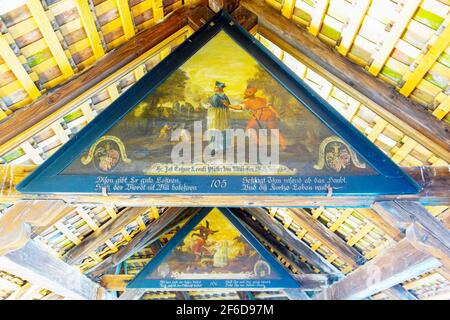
392 266
379 96
35 263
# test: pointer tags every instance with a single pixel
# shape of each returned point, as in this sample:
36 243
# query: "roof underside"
46 43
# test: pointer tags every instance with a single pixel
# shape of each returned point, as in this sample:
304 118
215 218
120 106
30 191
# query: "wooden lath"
388 38
378 97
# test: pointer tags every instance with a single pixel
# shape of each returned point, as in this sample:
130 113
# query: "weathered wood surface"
392 231
297 245
165 223
247 19
413 118
16 225
105 232
24 119
396 264
199 16
424 231
33 262
435 181
330 239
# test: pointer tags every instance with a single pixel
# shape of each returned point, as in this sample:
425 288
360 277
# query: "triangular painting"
220 115
214 251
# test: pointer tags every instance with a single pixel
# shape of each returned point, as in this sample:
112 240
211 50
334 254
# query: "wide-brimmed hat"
220 84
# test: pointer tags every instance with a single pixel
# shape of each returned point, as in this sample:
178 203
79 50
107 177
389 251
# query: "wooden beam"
248 20
434 180
428 60
382 98
404 17
397 292
228 5
36 264
84 11
166 222
356 18
125 17
317 16
392 266
22 122
105 232
297 245
18 69
327 237
17 222
308 282
392 231
50 37
268 239
423 230
199 16
403 214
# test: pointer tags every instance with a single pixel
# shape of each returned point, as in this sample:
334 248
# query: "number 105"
219 183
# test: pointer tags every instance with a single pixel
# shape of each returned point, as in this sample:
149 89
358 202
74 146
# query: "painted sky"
223 60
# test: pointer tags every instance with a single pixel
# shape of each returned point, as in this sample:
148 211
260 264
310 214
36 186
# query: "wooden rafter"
102 234
35 263
125 17
50 37
327 237
87 19
404 16
17 68
301 248
359 9
168 220
396 264
379 96
424 231
426 62
22 124
434 180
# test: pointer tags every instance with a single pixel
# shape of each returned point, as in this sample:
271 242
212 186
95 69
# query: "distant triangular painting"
213 250
220 115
